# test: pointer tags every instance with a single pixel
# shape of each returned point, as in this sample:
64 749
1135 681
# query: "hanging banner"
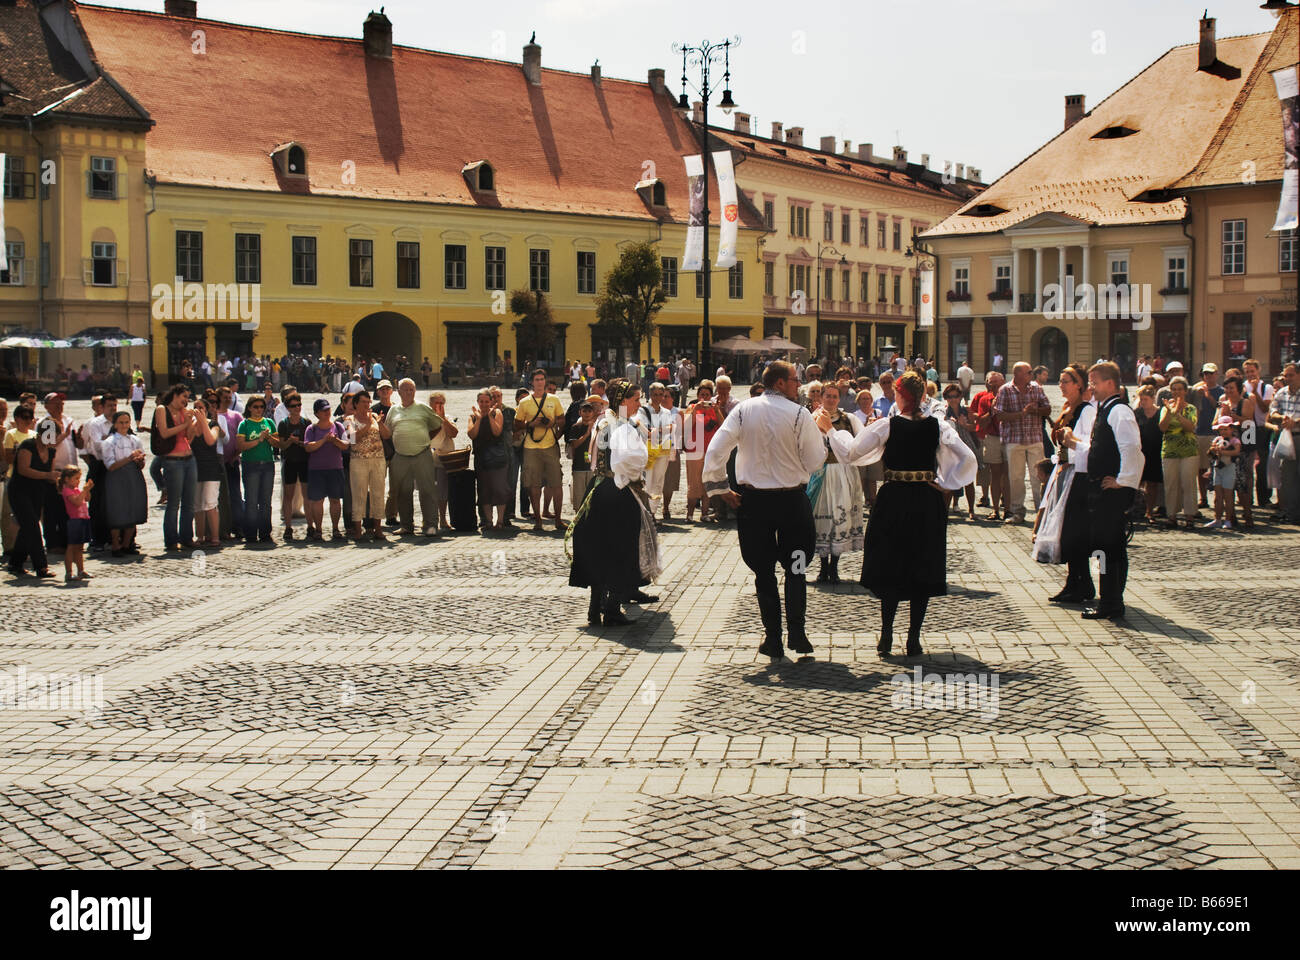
926 315
694 257
1288 91
730 222
3 249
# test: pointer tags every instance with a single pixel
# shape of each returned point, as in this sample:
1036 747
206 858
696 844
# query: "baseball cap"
320 404
352 387
55 395
1173 364
382 384
1209 368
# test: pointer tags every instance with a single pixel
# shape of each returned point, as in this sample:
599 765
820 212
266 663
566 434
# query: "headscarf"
617 390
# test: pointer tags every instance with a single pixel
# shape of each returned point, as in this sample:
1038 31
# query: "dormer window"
480 176
1114 133
291 159
653 192
985 210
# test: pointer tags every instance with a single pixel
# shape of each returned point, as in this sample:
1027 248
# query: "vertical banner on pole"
926 316
1288 92
730 222
3 249
694 256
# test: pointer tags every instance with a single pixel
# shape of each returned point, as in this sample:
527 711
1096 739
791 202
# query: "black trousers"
54 519
98 473
776 527
27 514
1076 539
1106 515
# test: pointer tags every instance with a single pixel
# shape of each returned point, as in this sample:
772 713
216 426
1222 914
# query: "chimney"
1073 109
864 151
925 160
776 130
1209 52
961 171
697 111
848 148
742 122
533 61
900 158
972 174
377 36
595 74
655 77
828 144
181 8
795 136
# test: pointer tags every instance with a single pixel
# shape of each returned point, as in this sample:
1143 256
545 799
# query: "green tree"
536 324
633 295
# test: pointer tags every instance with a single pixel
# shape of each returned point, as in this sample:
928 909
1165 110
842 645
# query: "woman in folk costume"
615 547
1063 532
905 553
836 495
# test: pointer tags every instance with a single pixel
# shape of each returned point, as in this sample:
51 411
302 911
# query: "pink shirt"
77 511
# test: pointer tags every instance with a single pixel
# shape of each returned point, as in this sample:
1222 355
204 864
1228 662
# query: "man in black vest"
1115 461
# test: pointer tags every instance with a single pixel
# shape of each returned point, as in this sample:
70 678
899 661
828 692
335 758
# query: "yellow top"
537 437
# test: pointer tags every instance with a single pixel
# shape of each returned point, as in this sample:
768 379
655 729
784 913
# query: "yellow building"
74 197
1101 205
386 200
839 275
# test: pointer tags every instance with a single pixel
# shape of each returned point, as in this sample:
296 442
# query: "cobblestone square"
430 704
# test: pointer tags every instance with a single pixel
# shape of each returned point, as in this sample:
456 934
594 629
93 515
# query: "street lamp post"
924 261
817 323
702 55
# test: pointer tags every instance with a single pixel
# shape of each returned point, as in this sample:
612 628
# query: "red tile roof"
1176 110
409 125
912 177
1253 129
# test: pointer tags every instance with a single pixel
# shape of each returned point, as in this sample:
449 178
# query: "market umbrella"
736 344
107 337
34 340
779 344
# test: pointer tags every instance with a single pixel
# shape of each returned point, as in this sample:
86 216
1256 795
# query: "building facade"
366 199
1094 247
838 268
74 197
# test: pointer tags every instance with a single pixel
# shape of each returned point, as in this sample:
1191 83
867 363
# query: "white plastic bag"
1047 542
1285 446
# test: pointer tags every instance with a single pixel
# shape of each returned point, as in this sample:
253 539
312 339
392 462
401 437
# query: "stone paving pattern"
429 704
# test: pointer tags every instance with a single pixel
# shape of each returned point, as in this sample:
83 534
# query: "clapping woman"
33 475
126 497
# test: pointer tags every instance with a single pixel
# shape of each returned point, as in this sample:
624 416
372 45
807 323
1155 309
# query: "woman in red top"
703 418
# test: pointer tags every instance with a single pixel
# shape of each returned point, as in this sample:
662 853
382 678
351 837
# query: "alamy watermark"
1105 301
954 691
210 302
21 690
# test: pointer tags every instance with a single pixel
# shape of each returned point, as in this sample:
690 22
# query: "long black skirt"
1075 532
605 541
126 499
906 551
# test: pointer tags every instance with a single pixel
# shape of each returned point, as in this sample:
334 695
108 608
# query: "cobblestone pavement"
439 704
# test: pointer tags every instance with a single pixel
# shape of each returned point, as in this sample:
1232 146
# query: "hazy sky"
981 83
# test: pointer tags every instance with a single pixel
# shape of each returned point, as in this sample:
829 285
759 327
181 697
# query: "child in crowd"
1224 450
76 502
1043 469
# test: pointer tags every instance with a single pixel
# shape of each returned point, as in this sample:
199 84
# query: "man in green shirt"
538 417
413 425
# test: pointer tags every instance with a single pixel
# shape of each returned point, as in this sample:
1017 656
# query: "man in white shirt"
633 372
1144 369
1113 452
225 367
965 376
779 447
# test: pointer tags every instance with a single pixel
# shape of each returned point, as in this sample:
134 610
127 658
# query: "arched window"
297 161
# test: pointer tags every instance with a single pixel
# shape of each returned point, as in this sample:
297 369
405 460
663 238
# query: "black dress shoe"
642 597
914 647
885 645
616 619
1103 613
800 645
772 648
1071 596
593 615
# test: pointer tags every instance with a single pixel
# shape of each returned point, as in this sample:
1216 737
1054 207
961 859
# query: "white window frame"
15 250
1286 242
960 275
1115 257
1226 245
1169 254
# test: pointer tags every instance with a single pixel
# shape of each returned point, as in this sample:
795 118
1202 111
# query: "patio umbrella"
107 337
34 340
779 344
736 344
